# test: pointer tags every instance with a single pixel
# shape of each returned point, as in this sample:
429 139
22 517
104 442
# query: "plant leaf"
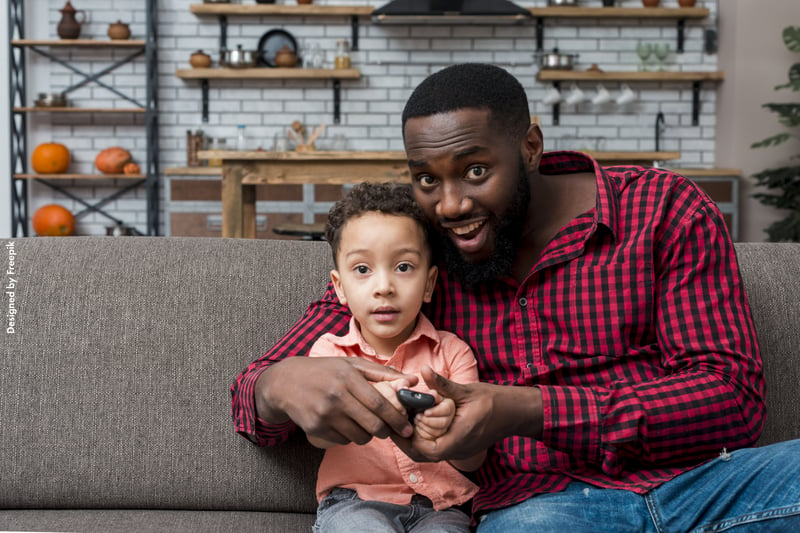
789 113
791 36
775 140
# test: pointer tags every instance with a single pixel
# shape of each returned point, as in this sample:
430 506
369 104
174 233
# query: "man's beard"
508 233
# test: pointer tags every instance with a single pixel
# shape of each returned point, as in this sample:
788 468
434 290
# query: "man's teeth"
463 230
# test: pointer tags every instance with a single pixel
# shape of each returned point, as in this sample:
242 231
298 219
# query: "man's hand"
485 414
331 398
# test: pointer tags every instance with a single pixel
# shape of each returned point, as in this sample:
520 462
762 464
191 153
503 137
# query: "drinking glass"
643 50
661 51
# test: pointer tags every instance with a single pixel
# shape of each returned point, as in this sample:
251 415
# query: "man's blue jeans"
753 489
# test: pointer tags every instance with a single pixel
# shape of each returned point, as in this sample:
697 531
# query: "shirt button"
523 302
413 478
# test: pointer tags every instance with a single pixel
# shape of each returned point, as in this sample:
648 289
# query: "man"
605 308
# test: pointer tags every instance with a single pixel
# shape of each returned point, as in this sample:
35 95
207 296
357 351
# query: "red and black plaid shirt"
633 323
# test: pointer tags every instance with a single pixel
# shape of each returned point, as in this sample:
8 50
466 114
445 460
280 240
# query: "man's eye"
476 172
426 181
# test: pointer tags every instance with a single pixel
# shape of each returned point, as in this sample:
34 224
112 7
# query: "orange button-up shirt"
379 470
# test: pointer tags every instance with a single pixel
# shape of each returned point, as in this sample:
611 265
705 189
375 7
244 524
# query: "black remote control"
414 402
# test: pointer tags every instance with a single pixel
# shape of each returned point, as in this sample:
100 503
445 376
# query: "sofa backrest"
114 384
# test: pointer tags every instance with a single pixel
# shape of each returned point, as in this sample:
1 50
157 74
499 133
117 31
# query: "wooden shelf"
96 43
268 73
708 172
589 75
79 176
621 12
77 110
267 9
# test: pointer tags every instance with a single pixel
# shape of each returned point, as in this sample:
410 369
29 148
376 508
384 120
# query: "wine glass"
643 50
661 51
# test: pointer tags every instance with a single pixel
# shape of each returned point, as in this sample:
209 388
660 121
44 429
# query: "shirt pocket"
602 311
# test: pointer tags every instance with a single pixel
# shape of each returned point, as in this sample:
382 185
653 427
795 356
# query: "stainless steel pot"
562 2
557 60
51 100
240 58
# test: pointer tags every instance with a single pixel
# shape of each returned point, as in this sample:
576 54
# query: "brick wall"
392 59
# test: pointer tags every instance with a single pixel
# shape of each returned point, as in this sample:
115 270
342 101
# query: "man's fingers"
375 372
442 385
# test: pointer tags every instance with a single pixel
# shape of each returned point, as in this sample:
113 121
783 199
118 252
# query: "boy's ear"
430 283
337 285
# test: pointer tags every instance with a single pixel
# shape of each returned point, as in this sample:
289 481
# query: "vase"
69 27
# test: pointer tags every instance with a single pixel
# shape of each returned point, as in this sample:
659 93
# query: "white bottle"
241 137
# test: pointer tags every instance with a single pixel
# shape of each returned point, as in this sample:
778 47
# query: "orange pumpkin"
131 168
112 160
50 158
53 220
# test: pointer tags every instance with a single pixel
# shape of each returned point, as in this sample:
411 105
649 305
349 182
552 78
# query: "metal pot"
556 60
51 100
562 2
240 58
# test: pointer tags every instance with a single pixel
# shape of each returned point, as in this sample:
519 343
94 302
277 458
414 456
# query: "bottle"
241 137
342 59
217 144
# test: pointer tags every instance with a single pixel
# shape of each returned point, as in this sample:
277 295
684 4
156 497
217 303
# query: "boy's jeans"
342 511
753 489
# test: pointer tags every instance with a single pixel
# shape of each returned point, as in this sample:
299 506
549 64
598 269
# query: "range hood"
451 11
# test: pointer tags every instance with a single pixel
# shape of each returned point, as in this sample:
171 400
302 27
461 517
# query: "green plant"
785 179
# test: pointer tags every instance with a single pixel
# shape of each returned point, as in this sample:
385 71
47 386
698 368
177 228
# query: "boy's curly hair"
386 198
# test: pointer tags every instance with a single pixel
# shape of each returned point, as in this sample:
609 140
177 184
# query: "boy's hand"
388 390
435 421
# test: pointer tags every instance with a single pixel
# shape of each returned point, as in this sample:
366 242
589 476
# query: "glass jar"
342 58
217 144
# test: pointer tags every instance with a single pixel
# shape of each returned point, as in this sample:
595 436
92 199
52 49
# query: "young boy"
384 271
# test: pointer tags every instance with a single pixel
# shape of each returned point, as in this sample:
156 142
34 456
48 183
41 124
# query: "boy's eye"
361 269
404 267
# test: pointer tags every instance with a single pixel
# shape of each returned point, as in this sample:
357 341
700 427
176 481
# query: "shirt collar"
353 338
606 207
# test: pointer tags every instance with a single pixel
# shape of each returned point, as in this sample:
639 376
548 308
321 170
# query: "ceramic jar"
69 27
651 3
200 59
118 31
687 3
285 57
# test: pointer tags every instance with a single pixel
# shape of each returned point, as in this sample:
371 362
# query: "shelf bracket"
696 103
681 35
539 34
354 32
557 105
223 36
204 89
337 101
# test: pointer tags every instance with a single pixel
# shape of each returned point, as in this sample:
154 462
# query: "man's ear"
532 147
430 283
337 286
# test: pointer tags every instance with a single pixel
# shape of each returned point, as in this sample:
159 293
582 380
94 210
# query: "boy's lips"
385 314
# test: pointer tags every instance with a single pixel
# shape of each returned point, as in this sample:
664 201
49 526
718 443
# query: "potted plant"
784 180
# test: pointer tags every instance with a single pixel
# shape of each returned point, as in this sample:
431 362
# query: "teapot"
70 26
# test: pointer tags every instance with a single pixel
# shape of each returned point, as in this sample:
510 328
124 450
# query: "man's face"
472 184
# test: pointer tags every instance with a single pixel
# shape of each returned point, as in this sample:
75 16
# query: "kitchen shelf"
267 73
193 171
680 14
589 75
132 49
277 9
85 43
695 78
78 110
79 176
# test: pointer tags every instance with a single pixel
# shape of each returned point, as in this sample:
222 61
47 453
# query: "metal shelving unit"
20 177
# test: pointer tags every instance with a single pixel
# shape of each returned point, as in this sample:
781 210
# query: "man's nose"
453 202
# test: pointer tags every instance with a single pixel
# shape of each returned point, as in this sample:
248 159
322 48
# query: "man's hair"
473 86
387 198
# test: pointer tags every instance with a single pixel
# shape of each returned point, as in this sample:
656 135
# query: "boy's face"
384 275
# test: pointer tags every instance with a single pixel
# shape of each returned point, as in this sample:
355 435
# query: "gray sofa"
114 402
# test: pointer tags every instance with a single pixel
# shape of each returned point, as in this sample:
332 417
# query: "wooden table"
242 171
